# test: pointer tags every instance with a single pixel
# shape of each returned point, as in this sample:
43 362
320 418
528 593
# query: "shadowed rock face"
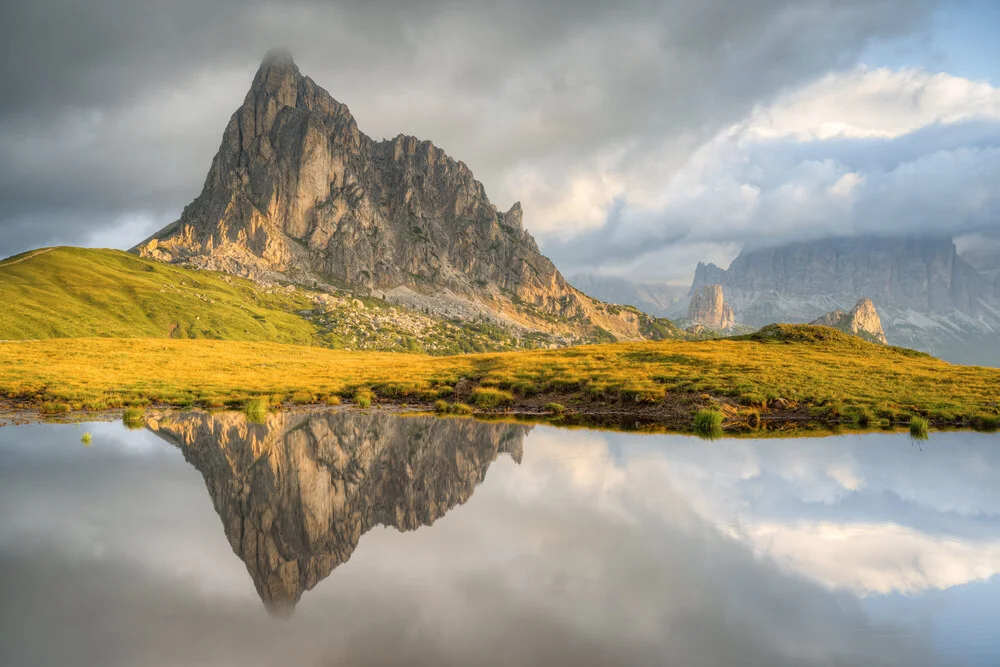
296 493
298 192
928 297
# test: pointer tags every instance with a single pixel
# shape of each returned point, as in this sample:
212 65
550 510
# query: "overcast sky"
641 136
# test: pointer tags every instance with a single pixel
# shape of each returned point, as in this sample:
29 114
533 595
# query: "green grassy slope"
76 292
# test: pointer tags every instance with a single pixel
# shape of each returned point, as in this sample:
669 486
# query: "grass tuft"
919 428
363 397
446 408
53 408
86 439
557 409
708 423
491 397
134 418
256 410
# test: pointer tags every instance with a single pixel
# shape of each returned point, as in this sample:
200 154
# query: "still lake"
349 538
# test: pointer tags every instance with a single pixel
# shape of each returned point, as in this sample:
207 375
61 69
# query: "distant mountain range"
928 296
297 193
653 298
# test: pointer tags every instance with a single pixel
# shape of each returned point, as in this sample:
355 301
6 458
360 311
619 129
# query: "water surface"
374 539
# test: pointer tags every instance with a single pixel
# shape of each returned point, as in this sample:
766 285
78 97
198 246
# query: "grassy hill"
787 372
76 292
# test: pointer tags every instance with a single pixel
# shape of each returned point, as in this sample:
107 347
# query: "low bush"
986 423
490 397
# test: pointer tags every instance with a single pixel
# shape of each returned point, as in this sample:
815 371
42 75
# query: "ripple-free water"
371 539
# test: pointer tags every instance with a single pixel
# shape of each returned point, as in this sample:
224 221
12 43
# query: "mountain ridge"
298 193
927 295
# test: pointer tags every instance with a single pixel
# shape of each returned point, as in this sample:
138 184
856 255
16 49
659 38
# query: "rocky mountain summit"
709 309
928 297
298 193
296 493
862 321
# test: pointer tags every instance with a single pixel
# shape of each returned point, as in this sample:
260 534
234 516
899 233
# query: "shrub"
863 417
489 397
134 418
986 423
919 428
363 397
446 408
555 408
256 410
708 423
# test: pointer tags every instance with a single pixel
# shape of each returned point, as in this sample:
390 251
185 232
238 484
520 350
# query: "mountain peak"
863 321
298 193
278 57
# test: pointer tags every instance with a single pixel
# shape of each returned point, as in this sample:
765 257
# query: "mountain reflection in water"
297 492
589 549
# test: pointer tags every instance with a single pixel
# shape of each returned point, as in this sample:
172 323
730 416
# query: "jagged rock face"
297 191
296 493
862 321
709 309
920 274
928 297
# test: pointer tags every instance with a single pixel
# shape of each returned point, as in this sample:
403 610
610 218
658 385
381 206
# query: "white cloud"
863 151
870 103
874 558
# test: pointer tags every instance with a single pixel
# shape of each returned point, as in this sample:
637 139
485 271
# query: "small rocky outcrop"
709 309
862 321
296 493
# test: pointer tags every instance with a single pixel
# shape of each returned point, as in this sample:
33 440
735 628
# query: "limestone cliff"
928 296
297 192
709 309
862 321
296 493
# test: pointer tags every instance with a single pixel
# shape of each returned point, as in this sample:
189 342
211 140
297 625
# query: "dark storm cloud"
112 109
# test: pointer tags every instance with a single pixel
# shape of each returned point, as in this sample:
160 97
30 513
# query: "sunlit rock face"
297 192
708 308
862 321
295 494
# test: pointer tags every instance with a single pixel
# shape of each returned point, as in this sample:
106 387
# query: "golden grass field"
783 369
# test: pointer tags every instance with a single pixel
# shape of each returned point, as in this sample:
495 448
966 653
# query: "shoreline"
790 375
792 423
